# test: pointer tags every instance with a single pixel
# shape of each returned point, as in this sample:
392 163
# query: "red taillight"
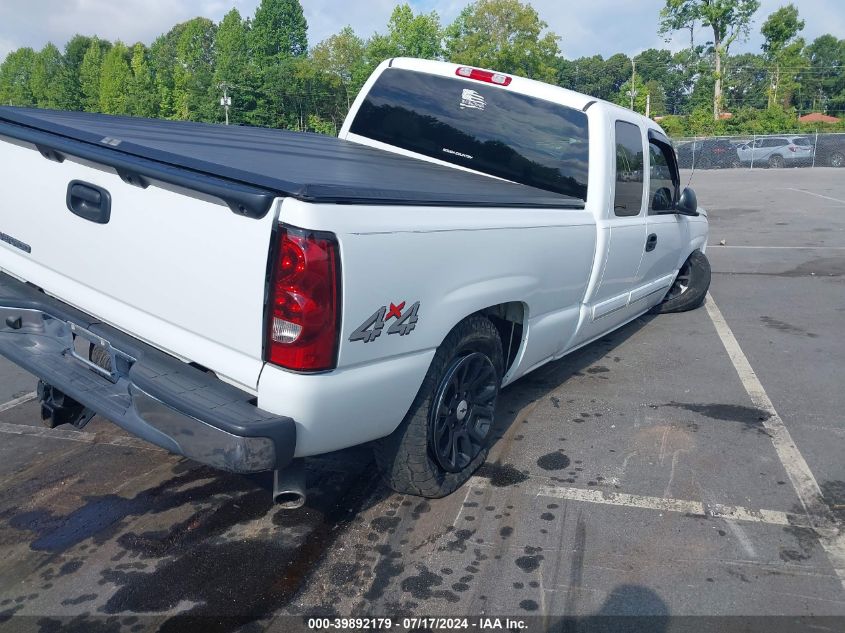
483 75
302 316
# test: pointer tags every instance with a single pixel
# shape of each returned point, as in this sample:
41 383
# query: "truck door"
666 233
624 224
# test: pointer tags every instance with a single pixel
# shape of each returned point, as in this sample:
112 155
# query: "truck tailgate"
173 267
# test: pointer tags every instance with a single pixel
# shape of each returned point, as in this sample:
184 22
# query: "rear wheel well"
509 320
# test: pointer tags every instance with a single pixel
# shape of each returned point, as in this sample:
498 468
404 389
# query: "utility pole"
633 92
225 100
647 104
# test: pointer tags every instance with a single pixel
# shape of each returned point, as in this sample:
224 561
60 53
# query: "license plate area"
97 354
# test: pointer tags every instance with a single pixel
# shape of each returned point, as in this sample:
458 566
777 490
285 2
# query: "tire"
704 163
409 458
776 161
690 286
837 159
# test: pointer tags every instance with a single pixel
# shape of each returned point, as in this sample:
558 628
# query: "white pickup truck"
247 297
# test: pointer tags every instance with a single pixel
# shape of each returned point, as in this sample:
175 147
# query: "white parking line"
11 404
718 247
76 436
662 504
817 195
799 473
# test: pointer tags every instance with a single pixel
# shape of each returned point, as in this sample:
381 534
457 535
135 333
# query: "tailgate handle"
89 202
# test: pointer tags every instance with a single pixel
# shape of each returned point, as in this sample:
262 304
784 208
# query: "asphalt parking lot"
685 465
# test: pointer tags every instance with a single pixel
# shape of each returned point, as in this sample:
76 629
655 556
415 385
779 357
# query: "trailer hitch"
59 408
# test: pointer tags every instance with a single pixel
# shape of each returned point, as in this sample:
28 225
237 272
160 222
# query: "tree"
824 84
194 96
783 48
342 57
746 82
728 20
664 79
594 75
68 87
16 78
163 62
279 30
503 35
141 100
46 75
231 62
115 79
90 71
414 35
231 48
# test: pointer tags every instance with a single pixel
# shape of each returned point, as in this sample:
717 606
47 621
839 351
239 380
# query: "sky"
586 27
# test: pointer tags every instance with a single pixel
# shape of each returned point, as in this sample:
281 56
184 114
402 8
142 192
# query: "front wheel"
837 159
690 286
445 435
776 161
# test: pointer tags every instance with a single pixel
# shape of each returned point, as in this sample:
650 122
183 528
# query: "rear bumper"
147 392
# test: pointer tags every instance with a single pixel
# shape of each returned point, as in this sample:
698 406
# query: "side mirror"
687 203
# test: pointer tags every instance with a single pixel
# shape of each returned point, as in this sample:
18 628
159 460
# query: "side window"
628 197
663 184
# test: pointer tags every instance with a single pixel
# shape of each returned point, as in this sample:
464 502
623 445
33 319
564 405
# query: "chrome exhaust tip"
289 486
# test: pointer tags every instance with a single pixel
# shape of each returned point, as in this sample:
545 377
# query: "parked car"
247 297
830 150
777 151
710 153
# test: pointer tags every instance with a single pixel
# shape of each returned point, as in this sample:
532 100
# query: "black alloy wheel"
462 412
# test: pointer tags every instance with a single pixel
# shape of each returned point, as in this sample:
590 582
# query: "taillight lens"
302 323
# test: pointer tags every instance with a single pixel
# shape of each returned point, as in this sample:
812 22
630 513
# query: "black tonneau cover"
253 165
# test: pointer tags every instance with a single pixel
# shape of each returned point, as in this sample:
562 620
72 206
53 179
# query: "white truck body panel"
174 270
188 276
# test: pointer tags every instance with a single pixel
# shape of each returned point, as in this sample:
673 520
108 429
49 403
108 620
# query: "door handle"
651 242
88 201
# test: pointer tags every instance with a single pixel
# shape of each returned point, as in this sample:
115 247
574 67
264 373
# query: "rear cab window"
481 127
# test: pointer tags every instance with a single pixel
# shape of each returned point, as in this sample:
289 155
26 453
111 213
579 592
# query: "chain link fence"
766 151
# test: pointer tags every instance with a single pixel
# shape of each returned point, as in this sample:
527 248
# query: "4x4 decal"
371 329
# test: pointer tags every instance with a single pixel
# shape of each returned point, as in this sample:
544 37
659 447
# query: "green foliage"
746 82
414 35
342 67
504 35
231 64
595 76
728 21
46 73
141 100
823 85
272 79
279 30
623 98
69 92
193 93
115 78
784 49
90 70
16 78
231 49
